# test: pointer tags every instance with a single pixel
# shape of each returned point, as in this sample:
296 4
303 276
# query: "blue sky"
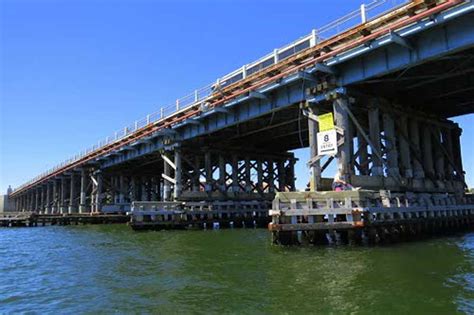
72 72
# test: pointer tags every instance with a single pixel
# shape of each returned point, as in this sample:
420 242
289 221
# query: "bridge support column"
439 157
178 186
37 199
122 188
405 156
27 201
271 176
143 189
72 195
32 199
63 205
83 208
235 174
166 183
111 197
391 145
98 193
456 141
259 176
55 208
418 171
117 190
47 208
208 171
196 185
341 118
363 154
248 175
133 193
315 167
427 152
39 207
154 188
374 125
222 174
43 199
448 144
290 177
281 175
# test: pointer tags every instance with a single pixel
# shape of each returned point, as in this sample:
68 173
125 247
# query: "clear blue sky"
72 72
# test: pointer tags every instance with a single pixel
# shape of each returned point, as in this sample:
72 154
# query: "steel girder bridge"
391 75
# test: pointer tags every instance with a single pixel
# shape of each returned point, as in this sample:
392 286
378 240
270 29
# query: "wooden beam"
167 160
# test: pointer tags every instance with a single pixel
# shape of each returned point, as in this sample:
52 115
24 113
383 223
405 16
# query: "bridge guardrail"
365 13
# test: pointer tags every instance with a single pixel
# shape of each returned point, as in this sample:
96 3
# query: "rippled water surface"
107 269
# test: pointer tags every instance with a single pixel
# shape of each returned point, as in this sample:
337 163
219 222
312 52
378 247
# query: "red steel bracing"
217 100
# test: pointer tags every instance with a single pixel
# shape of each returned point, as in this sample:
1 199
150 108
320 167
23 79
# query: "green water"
111 269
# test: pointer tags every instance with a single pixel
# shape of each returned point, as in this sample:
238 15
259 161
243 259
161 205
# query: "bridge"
381 84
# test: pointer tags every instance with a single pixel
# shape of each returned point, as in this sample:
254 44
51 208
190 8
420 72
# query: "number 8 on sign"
327 142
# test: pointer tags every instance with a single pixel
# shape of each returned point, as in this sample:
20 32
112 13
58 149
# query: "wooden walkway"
199 215
31 219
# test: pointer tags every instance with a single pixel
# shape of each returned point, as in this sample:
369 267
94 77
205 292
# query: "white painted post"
177 104
162 112
244 71
136 125
314 38
196 95
148 119
363 13
275 55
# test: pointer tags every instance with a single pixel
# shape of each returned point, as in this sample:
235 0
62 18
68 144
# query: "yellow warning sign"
326 122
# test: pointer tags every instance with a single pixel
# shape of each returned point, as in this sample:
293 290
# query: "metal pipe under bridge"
371 94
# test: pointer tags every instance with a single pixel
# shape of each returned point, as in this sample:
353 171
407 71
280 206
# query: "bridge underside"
443 87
